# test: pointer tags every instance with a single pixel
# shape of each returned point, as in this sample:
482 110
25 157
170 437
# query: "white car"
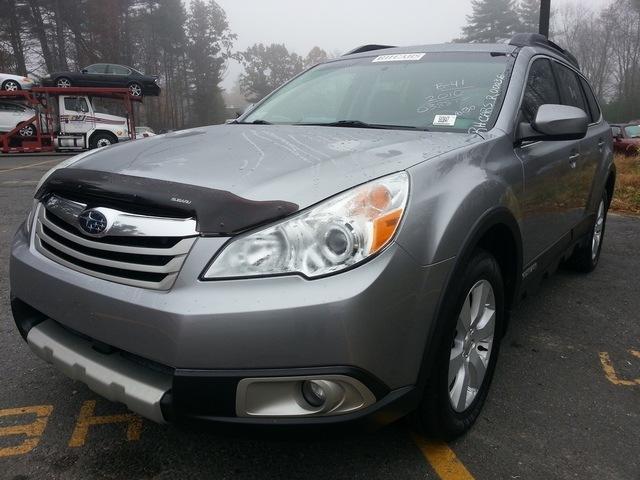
144 132
13 114
15 82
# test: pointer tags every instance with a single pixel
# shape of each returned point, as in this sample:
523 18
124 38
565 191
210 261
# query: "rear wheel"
473 319
63 82
11 86
585 258
28 131
99 140
135 90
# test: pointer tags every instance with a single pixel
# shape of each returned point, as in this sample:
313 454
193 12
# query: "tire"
28 131
63 82
11 86
448 410
135 90
586 256
99 140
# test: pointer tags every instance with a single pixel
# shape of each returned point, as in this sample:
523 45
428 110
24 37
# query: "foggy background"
215 57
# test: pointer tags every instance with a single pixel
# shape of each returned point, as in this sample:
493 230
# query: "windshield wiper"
255 122
361 124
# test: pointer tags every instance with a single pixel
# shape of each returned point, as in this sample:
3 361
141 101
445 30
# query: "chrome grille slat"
171 267
155 266
180 248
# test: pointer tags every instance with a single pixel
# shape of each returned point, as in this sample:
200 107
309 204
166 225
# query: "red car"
626 138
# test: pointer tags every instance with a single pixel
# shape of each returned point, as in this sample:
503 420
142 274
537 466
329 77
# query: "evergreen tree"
529 13
491 20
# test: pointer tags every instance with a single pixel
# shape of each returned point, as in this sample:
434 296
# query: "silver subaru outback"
350 249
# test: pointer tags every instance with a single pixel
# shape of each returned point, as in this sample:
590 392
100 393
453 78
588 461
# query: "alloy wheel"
11 86
103 142
63 83
27 131
472 345
597 231
135 90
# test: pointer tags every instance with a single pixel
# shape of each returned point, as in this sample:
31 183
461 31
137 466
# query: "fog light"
313 393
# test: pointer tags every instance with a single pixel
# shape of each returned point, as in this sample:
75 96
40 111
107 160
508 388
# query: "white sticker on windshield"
399 57
445 120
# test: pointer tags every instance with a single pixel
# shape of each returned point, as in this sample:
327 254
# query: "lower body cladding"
271 351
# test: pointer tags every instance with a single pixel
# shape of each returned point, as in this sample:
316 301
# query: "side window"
591 100
76 104
570 89
98 68
118 70
541 89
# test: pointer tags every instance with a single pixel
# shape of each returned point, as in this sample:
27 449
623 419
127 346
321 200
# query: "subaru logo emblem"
93 222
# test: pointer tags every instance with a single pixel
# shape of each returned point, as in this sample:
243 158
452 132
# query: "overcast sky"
340 25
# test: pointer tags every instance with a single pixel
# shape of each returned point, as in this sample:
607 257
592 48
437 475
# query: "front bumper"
370 323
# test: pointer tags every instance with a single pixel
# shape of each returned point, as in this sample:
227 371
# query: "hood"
298 164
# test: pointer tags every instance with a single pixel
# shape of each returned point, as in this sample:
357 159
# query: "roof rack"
368 48
538 40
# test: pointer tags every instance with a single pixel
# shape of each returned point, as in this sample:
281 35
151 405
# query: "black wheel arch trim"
494 217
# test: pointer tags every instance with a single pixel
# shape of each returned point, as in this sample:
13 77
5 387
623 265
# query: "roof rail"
538 40
368 48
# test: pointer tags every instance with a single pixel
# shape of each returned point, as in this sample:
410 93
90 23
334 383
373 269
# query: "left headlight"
326 238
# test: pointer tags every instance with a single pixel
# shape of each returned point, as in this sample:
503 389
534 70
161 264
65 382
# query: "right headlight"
326 238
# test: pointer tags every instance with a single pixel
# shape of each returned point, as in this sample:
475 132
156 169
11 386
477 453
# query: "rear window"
456 91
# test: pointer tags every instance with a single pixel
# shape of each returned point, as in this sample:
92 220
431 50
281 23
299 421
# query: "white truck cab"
82 127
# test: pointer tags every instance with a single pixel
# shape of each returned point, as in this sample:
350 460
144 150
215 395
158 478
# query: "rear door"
119 76
545 205
591 149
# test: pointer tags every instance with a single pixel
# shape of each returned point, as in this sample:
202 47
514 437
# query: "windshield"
456 91
632 131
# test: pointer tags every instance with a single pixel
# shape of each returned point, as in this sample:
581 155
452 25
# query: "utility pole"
545 13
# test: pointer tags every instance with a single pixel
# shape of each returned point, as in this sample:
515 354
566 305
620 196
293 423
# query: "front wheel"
11 86
99 140
28 131
472 320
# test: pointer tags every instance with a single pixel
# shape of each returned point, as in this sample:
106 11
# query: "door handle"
600 144
573 160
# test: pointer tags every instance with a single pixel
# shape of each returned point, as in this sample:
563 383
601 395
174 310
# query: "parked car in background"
13 114
144 132
626 138
15 82
107 75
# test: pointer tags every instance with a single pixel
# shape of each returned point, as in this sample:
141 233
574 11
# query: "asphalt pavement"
565 401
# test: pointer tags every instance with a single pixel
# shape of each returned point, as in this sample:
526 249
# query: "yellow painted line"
610 371
87 418
22 167
442 459
33 431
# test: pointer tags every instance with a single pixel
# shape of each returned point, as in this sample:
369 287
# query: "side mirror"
84 70
555 122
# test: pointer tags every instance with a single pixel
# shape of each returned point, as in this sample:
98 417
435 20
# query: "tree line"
605 41
188 46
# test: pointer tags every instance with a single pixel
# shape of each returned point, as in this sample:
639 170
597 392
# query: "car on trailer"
626 138
108 75
16 114
11 83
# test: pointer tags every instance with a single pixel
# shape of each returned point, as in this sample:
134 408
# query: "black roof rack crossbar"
368 48
536 39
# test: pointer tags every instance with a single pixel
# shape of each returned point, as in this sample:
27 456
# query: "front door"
75 115
546 204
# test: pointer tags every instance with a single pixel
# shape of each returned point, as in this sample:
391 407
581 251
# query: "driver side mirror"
84 70
555 122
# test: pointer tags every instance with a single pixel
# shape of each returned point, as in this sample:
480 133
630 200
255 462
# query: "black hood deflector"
217 212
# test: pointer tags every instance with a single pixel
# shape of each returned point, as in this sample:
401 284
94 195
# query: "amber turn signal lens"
384 228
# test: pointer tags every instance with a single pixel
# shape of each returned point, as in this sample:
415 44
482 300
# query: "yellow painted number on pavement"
33 431
87 419
610 371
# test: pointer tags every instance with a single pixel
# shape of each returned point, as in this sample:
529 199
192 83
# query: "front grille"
131 257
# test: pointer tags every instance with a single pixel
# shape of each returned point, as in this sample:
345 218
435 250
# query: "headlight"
331 236
29 221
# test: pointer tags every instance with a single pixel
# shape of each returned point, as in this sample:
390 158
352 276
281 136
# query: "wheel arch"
496 231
